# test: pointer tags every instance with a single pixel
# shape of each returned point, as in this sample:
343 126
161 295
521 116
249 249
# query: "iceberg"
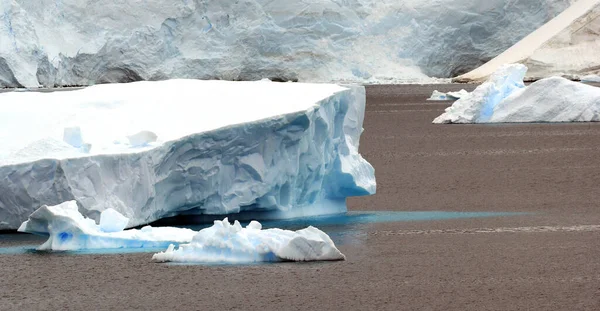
69 230
78 42
505 98
437 95
565 46
151 150
226 243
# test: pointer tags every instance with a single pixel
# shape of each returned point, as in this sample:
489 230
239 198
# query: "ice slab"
566 45
161 149
227 243
67 229
591 78
437 95
505 99
81 42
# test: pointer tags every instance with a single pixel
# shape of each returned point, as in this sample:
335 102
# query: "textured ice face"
216 147
81 42
478 106
504 98
67 229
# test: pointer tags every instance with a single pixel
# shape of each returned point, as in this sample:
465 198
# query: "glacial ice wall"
151 150
85 42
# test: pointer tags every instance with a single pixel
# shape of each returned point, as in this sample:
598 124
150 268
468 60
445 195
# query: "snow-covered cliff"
84 42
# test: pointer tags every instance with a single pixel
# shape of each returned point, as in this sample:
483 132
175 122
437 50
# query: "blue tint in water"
359 218
342 228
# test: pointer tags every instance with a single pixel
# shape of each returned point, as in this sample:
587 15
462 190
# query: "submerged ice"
67 229
505 98
151 150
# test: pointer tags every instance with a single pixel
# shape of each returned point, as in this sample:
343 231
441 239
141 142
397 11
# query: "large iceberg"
151 150
505 98
84 42
67 229
566 46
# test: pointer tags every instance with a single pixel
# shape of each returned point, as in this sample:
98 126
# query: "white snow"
437 95
67 229
81 42
159 149
566 45
505 98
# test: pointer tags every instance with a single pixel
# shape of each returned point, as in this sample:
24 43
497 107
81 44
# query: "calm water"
343 228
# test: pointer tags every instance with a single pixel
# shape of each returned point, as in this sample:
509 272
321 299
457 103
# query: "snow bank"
151 150
67 229
566 45
226 243
82 42
506 99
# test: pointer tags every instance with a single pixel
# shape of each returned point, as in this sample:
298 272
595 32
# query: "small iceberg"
504 98
440 96
68 230
226 243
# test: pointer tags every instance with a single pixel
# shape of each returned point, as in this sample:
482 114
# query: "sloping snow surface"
222 243
566 46
151 150
505 98
85 42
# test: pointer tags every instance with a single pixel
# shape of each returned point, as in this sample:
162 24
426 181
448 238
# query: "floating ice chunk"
112 221
223 242
437 95
67 229
227 243
142 138
478 106
591 78
505 99
457 95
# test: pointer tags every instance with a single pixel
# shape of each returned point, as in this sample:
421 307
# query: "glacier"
565 46
505 99
69 230
83 42
156 149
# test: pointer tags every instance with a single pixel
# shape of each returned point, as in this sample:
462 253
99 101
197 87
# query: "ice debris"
505 98
437 95
67 229
227 243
